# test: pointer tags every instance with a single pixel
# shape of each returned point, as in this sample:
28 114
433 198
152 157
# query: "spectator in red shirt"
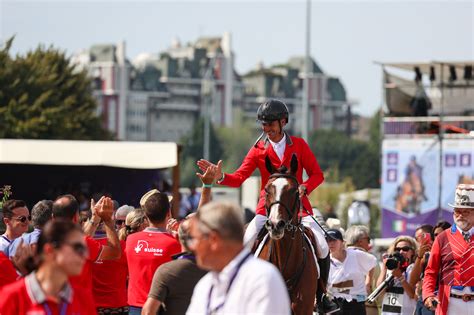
149 249
61 252
8 272
67 207
109 279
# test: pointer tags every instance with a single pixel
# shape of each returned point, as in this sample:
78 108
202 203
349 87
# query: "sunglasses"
404 248
22 218
79 248
119 222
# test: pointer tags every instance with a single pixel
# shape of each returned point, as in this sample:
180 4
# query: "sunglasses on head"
404 248
22 218
79 248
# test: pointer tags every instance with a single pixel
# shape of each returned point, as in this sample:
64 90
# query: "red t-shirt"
84 280
146 251
7 271
24 297
109 279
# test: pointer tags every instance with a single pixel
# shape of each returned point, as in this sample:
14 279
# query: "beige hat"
148 194
464 197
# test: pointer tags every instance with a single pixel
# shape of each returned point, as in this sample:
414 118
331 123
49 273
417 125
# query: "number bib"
392 303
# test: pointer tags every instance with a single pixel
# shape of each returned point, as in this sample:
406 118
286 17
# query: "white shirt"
279 147
355 267
4 242
257 288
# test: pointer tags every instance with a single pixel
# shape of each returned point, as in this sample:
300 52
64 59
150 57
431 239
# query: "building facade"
159 97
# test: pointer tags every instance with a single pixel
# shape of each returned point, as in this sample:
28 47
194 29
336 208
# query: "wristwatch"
91 221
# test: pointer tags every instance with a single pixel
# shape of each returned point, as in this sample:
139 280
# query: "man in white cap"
451 261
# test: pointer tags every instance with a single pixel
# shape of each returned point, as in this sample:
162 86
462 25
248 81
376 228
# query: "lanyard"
190 257
237 269
47 309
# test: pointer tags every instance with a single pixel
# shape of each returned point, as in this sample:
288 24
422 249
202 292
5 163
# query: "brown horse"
286 246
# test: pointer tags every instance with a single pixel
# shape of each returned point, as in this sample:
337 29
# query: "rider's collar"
266 141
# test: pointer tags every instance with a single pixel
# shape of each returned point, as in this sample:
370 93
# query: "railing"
452 126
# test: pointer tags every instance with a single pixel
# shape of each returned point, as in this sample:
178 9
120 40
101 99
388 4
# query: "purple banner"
395 224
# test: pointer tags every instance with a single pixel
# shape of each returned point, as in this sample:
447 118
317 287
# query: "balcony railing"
454 126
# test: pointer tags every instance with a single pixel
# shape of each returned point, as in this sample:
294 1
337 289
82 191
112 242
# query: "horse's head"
281 198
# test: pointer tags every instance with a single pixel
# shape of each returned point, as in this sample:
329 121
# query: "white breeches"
259 221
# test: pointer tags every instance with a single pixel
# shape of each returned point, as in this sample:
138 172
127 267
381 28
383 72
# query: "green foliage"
327 195
236 142
340 156
193 145
42 96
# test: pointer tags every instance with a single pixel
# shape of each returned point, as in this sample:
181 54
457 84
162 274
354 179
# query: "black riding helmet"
272 110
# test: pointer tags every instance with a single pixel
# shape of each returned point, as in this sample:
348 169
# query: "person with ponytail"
135 221
61 253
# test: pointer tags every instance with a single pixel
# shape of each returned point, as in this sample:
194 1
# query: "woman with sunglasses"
135 221
61 253
399 297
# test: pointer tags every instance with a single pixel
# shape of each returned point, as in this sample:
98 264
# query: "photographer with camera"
451 261
397 265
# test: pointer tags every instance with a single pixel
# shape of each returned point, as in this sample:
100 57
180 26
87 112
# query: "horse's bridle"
290 211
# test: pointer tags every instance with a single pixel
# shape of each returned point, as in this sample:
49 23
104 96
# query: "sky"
347 37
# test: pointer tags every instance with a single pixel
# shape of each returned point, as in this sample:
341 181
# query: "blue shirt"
28 238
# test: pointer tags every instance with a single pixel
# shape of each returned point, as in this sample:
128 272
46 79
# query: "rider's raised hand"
203 164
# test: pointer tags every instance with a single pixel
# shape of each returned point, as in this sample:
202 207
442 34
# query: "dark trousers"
133 310
351 308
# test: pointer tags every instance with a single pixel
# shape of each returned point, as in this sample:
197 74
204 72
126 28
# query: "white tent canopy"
455 98
135 155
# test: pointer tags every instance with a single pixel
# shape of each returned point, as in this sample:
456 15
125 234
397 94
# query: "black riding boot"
324 304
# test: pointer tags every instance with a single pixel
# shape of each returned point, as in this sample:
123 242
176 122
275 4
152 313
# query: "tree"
340 157
43 96
193 144
236 141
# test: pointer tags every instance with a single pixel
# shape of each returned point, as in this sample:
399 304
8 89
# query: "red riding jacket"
256 159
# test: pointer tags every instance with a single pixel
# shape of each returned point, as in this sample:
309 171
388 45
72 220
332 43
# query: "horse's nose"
280 224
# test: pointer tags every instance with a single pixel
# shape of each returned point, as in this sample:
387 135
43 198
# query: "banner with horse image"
410 185
458 168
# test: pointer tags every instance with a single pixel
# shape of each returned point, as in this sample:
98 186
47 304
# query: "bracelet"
419 257
91 221
206 185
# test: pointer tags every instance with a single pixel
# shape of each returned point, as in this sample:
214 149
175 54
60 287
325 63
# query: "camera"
396 260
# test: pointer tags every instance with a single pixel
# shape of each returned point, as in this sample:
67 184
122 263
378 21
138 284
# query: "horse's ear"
269 165
293 164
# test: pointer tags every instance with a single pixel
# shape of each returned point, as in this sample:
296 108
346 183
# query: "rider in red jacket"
279 146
